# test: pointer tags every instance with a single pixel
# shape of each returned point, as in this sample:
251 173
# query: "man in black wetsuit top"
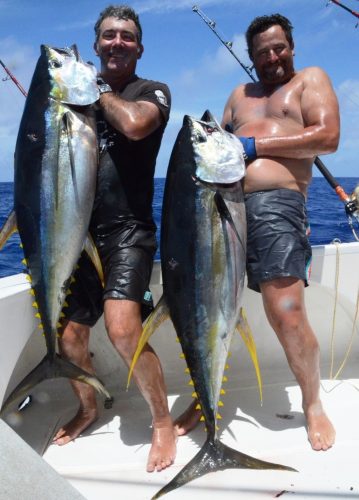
132 116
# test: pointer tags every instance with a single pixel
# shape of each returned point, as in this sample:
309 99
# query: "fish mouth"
218 154
214 186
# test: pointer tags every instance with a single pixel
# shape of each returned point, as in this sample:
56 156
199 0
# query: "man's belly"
275 173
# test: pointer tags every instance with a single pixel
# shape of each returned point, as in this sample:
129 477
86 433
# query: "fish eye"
54 64
198 137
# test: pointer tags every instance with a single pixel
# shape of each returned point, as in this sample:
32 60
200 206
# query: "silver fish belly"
203 253
56 161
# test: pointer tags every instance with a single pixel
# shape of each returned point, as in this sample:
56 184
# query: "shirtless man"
284 121
132 116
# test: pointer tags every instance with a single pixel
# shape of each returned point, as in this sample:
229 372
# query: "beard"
275 74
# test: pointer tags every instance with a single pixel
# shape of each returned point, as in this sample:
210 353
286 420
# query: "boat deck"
109 459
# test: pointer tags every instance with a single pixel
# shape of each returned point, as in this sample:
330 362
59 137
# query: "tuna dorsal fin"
247 336
226 214
91 250
214 456
154 320
8 229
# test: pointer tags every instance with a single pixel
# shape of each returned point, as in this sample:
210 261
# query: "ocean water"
328 220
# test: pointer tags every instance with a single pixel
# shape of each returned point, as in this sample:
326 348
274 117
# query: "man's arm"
136 120
320 113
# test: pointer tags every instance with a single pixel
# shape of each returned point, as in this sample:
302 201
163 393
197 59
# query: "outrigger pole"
353 12
351 202
22 90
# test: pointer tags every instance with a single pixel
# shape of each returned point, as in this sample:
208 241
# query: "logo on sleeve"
161 98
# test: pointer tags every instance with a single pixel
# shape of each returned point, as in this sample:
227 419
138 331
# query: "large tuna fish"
56 160
203 254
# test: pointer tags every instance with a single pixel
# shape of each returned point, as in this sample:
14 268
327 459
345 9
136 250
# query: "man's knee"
73 336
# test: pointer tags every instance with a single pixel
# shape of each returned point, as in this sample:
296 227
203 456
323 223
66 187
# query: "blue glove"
249 146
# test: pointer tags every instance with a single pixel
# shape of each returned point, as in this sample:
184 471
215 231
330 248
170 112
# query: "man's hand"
249 146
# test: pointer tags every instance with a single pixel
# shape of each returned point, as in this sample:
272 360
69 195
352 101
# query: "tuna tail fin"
154 320
247 336
8 229
50 368
212 457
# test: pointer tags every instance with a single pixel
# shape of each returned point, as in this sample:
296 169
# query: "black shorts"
277 240
127 259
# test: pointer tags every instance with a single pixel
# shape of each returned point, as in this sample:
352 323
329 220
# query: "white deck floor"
108 461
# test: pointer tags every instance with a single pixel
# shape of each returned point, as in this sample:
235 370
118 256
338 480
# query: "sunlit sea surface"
327 217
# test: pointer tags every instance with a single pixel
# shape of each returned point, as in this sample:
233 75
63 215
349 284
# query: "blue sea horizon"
327 217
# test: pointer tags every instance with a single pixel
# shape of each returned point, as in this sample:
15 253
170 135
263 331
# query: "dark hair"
262 23
121 12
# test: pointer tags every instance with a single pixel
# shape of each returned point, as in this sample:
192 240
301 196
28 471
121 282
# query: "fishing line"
351 340
351 202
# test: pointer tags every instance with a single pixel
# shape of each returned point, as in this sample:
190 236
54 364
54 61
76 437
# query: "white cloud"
348 94
218 65
171 5
20 60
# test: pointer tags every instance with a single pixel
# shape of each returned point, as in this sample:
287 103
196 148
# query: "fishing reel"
352 211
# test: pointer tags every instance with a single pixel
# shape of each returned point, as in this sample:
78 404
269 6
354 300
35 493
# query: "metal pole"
22 90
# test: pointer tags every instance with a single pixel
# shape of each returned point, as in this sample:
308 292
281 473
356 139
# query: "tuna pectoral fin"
225 214
8 229
154 320
215 456
247 336
91 250
53 368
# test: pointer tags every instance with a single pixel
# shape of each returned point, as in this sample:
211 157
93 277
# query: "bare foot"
70 431
163 449
321 433
188 420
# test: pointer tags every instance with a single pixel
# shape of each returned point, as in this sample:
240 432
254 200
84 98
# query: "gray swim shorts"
277 241
127 259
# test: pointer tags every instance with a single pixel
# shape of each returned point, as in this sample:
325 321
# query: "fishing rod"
353 12
20 87
351 202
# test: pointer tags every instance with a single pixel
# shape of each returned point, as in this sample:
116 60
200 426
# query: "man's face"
118 46
272 56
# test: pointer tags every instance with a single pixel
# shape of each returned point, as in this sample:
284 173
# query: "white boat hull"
109 460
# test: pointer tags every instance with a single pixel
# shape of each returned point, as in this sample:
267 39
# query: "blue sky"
183 52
